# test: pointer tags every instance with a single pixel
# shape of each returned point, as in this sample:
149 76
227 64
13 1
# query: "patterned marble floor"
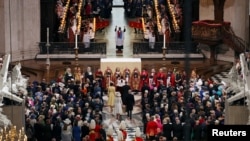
131 125
222 76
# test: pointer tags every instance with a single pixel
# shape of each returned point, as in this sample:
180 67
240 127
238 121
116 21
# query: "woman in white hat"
120 136
110 134
122 128
67 130
138 134
92 133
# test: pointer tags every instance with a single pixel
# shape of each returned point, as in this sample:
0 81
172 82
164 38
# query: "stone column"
20 28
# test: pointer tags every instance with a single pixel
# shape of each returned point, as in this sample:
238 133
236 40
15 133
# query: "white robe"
118 105
119 41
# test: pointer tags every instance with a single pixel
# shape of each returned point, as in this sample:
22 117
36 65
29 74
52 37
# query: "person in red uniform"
138 134
71 31
122 128
88 9
151 129
143 78
97 131
172 78
92 133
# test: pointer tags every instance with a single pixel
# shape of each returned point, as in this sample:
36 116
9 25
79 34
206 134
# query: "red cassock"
97 131
138 139
109 138
160 77
172 79
92 135
124 133
88 9
71 35
143 79
151 129
98 74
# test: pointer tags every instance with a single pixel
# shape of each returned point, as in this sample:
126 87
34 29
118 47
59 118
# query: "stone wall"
236 115
20 23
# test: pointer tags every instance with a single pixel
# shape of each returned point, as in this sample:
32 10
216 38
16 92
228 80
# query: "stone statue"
5 90
233 74
241 90
19 83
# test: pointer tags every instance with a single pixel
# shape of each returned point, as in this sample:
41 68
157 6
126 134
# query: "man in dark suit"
124 92
130 102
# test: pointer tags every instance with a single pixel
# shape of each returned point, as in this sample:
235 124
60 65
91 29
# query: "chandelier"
11 134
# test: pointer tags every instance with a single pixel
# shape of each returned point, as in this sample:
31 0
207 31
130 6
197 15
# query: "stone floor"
118 19
110 120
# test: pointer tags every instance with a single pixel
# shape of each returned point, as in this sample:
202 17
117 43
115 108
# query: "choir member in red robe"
151 129
99 77
172 78
143 78
135 80
72 30
161 76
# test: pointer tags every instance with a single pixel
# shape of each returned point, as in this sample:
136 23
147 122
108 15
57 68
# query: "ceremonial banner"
134 24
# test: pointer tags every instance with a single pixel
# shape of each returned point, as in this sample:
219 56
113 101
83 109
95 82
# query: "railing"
172 47
238 44
69 48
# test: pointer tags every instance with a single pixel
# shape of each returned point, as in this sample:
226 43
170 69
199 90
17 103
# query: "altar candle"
164 40
47 35
76 40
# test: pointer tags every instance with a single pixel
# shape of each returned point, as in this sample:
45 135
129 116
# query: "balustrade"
68 48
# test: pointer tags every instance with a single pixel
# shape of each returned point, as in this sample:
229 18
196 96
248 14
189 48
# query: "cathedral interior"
162 35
